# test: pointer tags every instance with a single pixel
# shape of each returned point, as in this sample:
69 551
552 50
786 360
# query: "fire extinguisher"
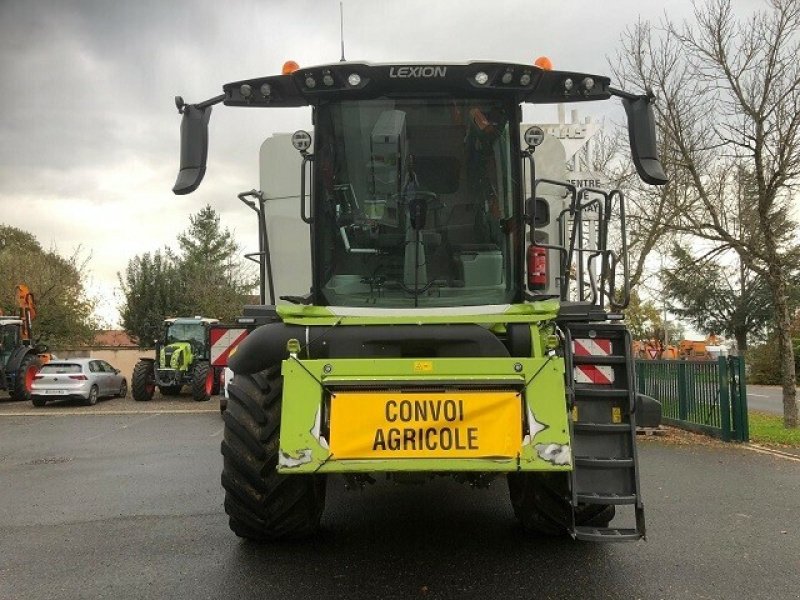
537 268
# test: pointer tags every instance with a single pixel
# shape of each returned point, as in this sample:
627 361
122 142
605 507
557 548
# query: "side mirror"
642 134
194 148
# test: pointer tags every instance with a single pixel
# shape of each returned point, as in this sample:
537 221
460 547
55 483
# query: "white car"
84 378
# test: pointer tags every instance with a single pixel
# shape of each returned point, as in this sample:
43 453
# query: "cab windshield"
415 202
186 332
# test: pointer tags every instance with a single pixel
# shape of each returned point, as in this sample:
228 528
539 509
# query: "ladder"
602 399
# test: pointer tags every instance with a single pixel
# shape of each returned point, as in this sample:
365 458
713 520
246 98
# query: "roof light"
568 84
481 78
289 67
327 79
525 79
588 84
544 63
246 91
354 79
310 82
266 89
507 77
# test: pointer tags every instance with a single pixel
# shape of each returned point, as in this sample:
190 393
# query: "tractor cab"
10 329
417 183
185 340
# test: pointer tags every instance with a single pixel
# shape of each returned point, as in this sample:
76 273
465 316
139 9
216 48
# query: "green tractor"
454 325
182 359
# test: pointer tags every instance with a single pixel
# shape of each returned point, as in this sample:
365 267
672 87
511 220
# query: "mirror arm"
628 96
181 105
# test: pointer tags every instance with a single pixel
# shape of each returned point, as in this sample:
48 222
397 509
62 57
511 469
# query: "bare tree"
729 119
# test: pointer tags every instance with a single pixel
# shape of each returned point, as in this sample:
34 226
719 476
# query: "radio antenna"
341 29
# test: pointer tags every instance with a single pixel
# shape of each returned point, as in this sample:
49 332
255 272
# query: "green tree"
215 281
153 290
717 299
64 308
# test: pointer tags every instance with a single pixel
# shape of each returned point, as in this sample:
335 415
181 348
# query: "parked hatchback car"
84 378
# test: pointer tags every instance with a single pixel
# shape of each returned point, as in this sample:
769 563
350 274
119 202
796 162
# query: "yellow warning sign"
423 366
616 414
460 424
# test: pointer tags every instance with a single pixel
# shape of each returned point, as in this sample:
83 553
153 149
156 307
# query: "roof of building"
113 338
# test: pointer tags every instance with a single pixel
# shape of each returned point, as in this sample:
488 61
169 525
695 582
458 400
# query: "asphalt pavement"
130 506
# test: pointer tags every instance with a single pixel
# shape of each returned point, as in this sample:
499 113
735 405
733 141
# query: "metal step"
588 389
594 498
603 462
601 427
606 534
599 360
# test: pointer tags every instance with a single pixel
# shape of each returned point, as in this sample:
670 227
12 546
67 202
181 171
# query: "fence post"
683 391
724 398
740 399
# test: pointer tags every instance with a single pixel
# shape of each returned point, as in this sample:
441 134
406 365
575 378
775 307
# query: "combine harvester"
452 326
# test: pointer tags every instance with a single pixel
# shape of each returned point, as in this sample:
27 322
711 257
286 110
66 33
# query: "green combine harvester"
182 359
453 327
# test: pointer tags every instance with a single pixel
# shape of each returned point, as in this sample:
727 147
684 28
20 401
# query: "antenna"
341 28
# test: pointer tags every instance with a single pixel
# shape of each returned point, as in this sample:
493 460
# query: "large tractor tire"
26 372
542 504
170 390
262 504
202 381
143 381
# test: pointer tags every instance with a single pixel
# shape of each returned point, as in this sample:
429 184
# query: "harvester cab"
433 340
182 357
20 358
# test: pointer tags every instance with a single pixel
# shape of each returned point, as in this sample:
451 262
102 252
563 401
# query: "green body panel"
181 358
540 380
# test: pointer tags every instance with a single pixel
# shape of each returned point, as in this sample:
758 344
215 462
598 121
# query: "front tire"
123 389
26 372
143 381
202 381
261 503
542 503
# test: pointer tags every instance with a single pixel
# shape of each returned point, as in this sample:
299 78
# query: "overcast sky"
89 129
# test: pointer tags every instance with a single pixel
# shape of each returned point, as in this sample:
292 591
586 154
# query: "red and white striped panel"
222 342
597 374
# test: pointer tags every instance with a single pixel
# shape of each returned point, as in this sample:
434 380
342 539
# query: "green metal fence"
705 396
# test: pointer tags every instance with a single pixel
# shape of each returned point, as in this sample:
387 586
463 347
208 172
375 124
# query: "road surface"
130 506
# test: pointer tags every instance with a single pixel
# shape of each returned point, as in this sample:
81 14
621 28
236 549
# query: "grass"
769 429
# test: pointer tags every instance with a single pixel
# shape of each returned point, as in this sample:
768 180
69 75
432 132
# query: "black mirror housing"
540 208
642 134
194 148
